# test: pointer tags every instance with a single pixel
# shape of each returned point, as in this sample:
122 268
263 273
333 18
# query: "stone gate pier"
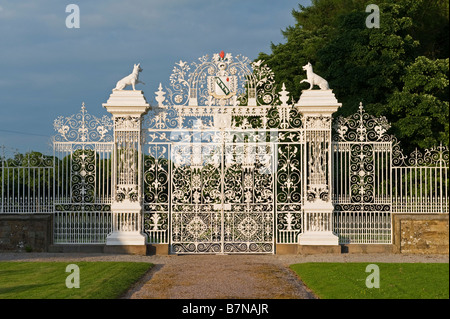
317 107
127 108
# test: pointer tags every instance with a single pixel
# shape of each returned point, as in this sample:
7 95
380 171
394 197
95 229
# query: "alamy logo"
73 280
373 280
73 19
373 19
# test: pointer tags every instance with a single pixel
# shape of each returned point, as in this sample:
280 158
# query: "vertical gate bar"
68 173
415 198
23 193
389 182
274 207
170 209
380 174
2 156
12 186
30 201
222 195
54 177
422 195
275 192
441 182
446 186
436 199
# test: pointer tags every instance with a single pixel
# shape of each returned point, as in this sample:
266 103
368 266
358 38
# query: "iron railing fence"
363 227
26 182
420 182
81 227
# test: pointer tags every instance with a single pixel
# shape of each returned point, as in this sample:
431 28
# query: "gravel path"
222 276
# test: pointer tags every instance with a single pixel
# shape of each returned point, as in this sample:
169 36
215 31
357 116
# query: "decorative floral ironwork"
362 127
221 80
10 158
83 176
362 173
127 193
369 149
83 127
436 156
127 123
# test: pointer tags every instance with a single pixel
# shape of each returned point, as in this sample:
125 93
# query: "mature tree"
376 66
366 65
420 111
315 27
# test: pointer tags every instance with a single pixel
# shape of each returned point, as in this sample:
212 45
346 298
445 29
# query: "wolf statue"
131 79
314 79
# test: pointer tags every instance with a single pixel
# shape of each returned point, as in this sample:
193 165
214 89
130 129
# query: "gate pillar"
127 108
317 106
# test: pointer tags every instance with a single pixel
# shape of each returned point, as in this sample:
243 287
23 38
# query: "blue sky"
48 70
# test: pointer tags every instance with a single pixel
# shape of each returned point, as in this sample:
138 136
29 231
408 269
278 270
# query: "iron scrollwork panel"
249 197
196 191
289 192
156 187
362 171
83 177
222 198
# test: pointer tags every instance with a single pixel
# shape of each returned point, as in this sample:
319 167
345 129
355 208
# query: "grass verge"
47 280
396 280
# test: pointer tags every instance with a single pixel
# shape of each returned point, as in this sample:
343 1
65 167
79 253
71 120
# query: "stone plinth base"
126 249
158 249
318 249
318 238
76 248
125 238
367 249
98 249
286 249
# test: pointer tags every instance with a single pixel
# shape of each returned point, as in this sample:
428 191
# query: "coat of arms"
222 85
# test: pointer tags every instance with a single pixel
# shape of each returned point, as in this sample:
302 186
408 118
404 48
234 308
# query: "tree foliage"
398 70
420 110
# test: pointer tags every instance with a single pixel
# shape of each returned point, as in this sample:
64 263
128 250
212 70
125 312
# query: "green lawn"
397 280
47 280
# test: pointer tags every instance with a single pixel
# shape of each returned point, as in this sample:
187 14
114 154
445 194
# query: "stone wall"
21 233
421 233
412 234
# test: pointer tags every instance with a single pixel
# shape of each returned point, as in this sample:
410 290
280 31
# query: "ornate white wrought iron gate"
228 166
363 156
222 162
82 178
222 198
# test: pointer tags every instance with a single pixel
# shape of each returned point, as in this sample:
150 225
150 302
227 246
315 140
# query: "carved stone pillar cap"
317 102
127 101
